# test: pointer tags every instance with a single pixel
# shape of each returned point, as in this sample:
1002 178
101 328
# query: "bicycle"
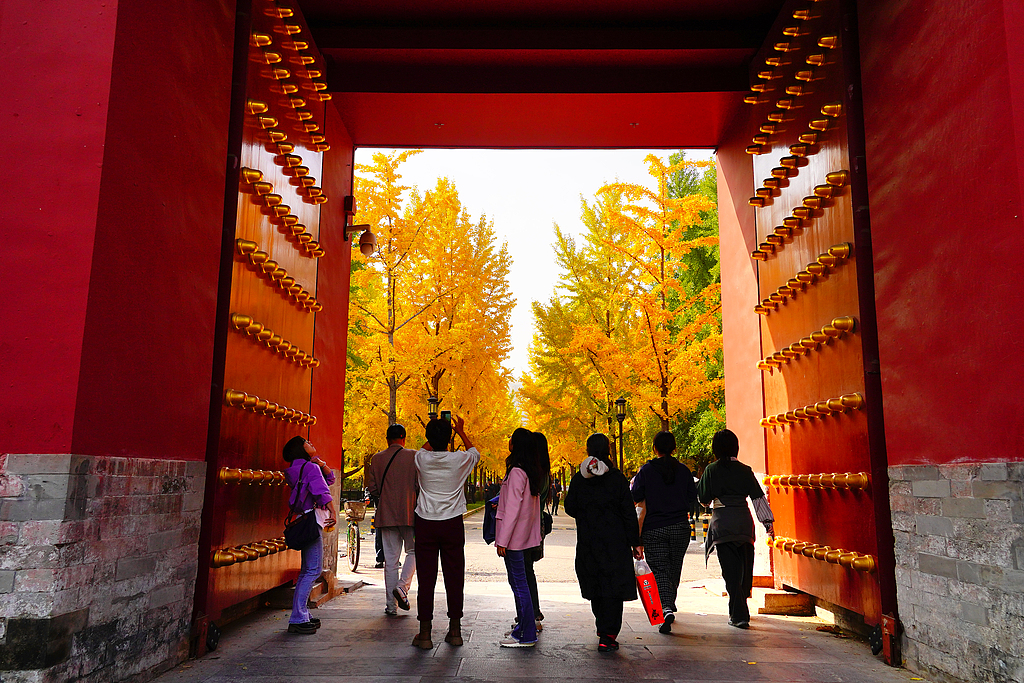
355 511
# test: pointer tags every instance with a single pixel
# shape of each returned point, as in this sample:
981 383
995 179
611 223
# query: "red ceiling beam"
368 76
707 36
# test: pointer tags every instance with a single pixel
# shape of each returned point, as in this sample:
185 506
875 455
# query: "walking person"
556 493
666 488
607 538
726 484
441 475
309 478
391 479
518 531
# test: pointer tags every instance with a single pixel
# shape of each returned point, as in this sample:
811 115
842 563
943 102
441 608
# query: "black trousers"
529 557
607 615
737 560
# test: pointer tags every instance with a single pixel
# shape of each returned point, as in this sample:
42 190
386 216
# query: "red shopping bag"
648 589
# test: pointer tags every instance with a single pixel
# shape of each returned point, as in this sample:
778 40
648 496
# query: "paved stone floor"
359 643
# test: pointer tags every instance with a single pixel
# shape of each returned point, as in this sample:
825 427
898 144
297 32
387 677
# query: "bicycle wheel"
353 545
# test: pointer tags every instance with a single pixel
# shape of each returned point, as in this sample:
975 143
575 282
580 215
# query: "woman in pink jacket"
518 529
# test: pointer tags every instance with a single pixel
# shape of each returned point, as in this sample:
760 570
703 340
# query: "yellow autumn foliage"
623 323
428 316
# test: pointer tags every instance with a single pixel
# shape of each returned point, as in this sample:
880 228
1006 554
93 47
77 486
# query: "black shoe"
739 624
306 629
315 622
667 626
607 644
379 565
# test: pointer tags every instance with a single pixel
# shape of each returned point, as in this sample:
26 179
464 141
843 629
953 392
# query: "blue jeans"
309 572
526 630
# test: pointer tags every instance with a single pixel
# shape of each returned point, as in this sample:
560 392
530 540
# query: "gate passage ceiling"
538 73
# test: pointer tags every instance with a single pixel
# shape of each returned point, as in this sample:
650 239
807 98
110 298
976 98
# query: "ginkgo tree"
627 319
428 316
569 393
661 353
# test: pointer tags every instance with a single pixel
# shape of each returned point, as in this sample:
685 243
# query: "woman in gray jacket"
728 483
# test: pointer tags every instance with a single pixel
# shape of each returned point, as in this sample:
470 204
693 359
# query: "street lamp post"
611 427
620 415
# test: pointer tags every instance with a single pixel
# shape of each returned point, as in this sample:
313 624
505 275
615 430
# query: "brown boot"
422 639
454 636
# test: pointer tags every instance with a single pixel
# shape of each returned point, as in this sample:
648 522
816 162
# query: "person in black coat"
607 538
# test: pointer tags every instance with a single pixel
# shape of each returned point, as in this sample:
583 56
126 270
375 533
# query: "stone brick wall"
960 569
98 561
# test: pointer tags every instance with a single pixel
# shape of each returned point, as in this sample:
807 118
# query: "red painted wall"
740 325
1012 33
54 112
944 122
330 340
147 355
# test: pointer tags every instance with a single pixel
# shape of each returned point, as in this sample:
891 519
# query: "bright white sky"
525 193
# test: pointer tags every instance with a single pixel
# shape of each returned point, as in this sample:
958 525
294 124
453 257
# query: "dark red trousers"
447 539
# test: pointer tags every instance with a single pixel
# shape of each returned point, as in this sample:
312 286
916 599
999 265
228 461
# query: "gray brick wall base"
960 569
98 560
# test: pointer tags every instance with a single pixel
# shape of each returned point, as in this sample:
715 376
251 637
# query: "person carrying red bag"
666 487
607 538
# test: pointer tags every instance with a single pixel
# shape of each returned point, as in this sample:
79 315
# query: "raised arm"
458 425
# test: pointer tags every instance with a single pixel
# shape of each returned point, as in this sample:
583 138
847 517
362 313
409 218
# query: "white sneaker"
391 611
402 597
513 642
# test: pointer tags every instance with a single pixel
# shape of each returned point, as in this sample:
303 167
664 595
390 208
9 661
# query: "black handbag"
302 529
546 522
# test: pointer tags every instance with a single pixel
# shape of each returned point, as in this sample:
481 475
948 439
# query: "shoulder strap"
298 486
380 489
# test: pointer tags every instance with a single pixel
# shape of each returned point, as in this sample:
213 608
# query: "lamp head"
620 408
367 243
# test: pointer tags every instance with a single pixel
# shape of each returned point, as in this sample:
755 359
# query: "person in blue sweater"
666 488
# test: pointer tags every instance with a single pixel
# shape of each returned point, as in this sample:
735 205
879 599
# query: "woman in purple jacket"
309 477
518 529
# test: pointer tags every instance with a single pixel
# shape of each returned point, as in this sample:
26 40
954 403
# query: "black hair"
540 446
665 443
439 433
395 432
295 449
523 455
598 446
725 445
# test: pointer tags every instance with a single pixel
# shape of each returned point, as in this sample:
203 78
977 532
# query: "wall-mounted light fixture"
367 241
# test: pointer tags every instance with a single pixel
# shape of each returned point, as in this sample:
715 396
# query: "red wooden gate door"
269 357
825 456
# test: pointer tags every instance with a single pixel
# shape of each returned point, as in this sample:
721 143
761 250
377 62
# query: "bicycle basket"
355 511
